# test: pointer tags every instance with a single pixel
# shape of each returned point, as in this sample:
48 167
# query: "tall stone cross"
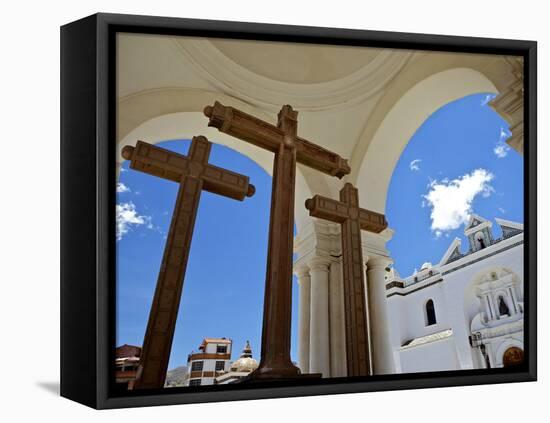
282 139
194 174
352 219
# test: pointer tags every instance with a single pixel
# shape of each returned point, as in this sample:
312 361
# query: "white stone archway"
403 120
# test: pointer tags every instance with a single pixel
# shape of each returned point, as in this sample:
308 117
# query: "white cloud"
120 188
501 148
414 165
126 217
451 201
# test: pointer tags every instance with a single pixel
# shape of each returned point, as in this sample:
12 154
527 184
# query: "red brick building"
127 361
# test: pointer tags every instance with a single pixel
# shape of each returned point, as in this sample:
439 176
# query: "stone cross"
282 139
352 219
193 173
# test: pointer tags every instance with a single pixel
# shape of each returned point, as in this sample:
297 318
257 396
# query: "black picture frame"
88 198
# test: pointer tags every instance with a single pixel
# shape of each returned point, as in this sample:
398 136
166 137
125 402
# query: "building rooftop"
207 341
479 234
127 351
216 341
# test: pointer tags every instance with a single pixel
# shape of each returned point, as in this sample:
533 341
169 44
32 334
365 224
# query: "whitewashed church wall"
413 312
397 325
455 305
435 356
478 362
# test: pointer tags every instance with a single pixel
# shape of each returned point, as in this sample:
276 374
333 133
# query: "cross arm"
327 208
229 184
246 127
156 161
338 211
265 135
173 166
372 221
321 159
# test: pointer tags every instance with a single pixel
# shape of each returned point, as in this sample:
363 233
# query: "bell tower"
479 233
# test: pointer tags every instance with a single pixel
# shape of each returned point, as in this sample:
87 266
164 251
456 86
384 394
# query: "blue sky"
455 164
224 283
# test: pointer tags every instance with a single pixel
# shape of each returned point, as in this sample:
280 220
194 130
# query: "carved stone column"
319 346
379 317
384 331
304 310
514 298
319 242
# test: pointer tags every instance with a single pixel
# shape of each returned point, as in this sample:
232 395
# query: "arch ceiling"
362 103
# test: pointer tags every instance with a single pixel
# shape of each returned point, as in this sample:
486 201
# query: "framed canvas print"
257 211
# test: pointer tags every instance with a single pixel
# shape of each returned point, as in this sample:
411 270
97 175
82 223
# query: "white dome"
244 364
426 265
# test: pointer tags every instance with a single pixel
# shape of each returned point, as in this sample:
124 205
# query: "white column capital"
374 245
319 238
377 262
319 263
301 271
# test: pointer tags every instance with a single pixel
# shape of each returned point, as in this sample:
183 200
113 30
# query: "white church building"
466 312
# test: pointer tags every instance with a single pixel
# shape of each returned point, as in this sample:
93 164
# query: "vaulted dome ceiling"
296 63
